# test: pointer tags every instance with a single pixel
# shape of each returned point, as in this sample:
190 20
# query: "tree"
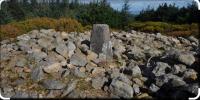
125 14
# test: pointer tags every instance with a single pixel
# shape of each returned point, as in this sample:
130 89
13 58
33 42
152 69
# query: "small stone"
82 69
190 74
7 91
84 48
70 66
78 59
98 82
27 70
121 89
78 73
177 82
70 87
21 62
160 68
91 55
186 58
136 89
138 82
20 94
178 68
153 88
45 42
52 68
98 71
71 48
144 96
62 50
37 74
53 84
90 66
65 73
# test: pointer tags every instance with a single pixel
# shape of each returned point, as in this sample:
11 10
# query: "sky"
138 5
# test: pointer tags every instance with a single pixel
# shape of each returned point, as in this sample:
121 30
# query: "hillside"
53 64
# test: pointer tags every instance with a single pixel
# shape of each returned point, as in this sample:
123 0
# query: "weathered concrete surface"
100 40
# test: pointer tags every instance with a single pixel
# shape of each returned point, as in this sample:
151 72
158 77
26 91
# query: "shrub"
17 28
165 28
68 25
180 33
9 31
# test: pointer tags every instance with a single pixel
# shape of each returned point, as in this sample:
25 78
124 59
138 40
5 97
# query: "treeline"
87 14
171 13
98 11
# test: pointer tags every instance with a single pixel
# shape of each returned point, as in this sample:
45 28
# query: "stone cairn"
100 41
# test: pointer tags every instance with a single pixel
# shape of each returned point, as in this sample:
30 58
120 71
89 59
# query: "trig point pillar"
100 40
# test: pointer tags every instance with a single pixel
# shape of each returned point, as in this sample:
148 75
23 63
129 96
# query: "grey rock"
136 89
160 68
193 39
4 54
24 46
62 50
178 69
20 94
78 59
70 87
121 89
33 95
52 67
176 82
186 58
98 82
37 74
193 88
136 53
24 37
79 73
37 55
7 92
153 88
133 70
71 48
44 42
65 72
74 94
53 84
84 48
190 74
115 73
100 40
90 66
124 78
21 62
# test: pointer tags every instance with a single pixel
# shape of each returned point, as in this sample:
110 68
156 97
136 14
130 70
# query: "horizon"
136 6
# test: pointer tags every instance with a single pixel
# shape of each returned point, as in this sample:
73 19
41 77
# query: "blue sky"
137 5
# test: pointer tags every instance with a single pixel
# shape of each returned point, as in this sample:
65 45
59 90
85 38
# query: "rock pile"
51 64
